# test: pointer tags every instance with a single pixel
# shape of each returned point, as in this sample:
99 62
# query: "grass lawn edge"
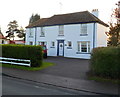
43 66
101 79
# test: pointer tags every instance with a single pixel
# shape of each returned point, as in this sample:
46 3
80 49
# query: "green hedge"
33 53
105 62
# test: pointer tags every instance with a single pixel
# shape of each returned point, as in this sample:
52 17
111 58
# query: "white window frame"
79 46
61 30
83 30
31 33
42 34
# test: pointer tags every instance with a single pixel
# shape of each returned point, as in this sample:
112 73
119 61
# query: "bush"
33 53
105 62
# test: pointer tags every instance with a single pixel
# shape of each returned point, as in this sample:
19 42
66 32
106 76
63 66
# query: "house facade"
3 40
70 35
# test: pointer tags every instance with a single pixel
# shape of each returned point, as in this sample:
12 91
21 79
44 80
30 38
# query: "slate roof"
71 18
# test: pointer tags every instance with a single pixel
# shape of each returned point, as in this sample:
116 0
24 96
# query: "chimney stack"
95 12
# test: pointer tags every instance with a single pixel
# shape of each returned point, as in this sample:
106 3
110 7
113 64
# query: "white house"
3 40
70 35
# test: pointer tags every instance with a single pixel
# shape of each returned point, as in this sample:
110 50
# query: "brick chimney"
95 12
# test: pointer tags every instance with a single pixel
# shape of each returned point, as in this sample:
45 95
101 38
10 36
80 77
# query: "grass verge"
43 66
101 79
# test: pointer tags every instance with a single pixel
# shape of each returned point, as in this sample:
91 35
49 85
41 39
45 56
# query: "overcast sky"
21 10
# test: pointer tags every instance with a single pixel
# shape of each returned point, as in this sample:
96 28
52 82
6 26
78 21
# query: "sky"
21 10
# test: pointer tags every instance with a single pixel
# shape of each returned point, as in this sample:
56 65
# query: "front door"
60 51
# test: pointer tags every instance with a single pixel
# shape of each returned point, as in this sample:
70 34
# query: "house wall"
101 37
28 37
71 33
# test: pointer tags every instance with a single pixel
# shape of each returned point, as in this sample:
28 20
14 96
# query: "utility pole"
60 5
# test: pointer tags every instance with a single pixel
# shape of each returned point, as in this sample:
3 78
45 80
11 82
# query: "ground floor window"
30 43
53 43
84 46
42 43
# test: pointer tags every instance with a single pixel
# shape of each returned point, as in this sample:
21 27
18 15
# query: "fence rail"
15 61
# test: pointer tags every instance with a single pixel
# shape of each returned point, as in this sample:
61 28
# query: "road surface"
13 86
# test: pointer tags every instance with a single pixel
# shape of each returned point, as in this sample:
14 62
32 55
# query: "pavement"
67 73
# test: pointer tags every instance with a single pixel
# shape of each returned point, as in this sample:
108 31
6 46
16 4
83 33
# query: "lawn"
43 66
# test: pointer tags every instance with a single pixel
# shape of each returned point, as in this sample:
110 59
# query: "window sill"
60 35
83 53
83 34
30 36
42 36
69 47
52 47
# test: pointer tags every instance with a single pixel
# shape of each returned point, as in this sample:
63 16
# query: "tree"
34 18
114 32
21 33
12 28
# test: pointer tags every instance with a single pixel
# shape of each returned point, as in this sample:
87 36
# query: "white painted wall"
101 36
71 33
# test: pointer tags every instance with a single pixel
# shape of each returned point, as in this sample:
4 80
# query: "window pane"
42 31
69 43
61 29
53 43
83 28
78 46
88 46
83 46
31 43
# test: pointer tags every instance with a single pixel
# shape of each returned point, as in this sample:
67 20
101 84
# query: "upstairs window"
61 30
42 32
30 33
83 30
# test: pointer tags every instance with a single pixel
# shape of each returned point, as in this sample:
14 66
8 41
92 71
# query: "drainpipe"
35 35
94 35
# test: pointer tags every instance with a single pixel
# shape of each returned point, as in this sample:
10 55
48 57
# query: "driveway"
67 67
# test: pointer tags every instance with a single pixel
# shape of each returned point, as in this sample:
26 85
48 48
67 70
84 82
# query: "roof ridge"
70 13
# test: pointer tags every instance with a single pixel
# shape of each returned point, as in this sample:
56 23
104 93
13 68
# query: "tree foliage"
13 29
114 32
114 35
34 18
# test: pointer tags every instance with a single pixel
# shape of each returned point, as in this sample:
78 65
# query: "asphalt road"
13 86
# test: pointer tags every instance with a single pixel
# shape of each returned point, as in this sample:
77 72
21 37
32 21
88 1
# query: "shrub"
105 62
33 53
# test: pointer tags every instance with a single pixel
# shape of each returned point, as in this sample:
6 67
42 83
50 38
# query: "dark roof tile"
71 18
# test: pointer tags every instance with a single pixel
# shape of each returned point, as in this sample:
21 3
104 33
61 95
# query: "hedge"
33 53
105 62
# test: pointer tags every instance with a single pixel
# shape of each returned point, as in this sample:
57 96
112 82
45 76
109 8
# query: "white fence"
15 61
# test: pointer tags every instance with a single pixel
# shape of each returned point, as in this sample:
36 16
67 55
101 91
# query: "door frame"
60 41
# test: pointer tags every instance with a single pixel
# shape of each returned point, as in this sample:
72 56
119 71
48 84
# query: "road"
13 86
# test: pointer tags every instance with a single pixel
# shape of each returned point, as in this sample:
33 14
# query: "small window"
30 33
69 44
61 30
42 32
83 30
31 43
53 44
42 43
